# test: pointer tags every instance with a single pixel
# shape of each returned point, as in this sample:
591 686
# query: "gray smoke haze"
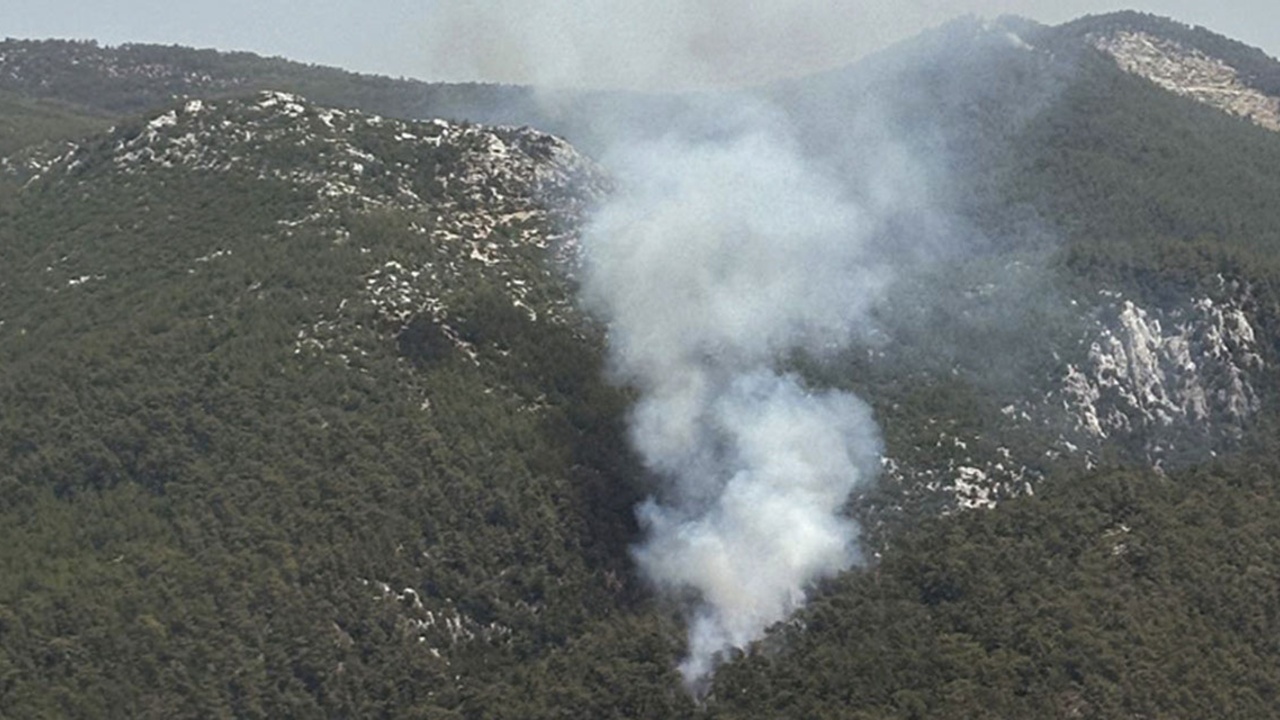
656 45
474 40
731 244
673 44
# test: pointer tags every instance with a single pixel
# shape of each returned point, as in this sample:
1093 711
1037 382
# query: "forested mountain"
114 81
299 415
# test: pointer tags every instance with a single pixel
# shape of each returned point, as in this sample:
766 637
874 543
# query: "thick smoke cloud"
769 521
716 259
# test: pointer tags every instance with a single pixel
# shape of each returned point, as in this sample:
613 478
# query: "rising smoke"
717 258
727 249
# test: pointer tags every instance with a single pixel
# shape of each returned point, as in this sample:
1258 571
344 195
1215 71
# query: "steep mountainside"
1104 293
317 368
299 415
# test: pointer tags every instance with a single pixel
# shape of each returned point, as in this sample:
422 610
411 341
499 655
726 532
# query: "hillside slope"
299 416
295 418
1100 291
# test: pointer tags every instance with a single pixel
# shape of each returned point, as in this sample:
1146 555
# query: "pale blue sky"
491 39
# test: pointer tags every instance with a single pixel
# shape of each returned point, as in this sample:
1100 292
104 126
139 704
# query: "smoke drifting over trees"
728 247
715 259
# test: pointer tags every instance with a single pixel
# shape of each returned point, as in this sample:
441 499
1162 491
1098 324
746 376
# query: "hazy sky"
491 39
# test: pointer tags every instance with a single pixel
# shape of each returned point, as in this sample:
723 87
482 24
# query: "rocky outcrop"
1150 384
1143 373
1190 73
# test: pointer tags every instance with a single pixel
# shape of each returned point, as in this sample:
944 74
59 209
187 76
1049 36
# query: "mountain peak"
1189 61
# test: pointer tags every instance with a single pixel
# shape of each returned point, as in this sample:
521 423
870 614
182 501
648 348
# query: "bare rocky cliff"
1189 72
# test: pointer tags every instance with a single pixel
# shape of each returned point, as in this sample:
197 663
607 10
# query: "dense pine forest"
299 416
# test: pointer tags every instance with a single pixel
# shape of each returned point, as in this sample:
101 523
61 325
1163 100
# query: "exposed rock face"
352 160
1143 374
1190 73
1151 384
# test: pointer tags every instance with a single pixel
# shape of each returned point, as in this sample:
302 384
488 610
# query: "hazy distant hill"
132 78
298 416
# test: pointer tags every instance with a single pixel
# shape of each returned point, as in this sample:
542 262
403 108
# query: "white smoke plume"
725 251
716 259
